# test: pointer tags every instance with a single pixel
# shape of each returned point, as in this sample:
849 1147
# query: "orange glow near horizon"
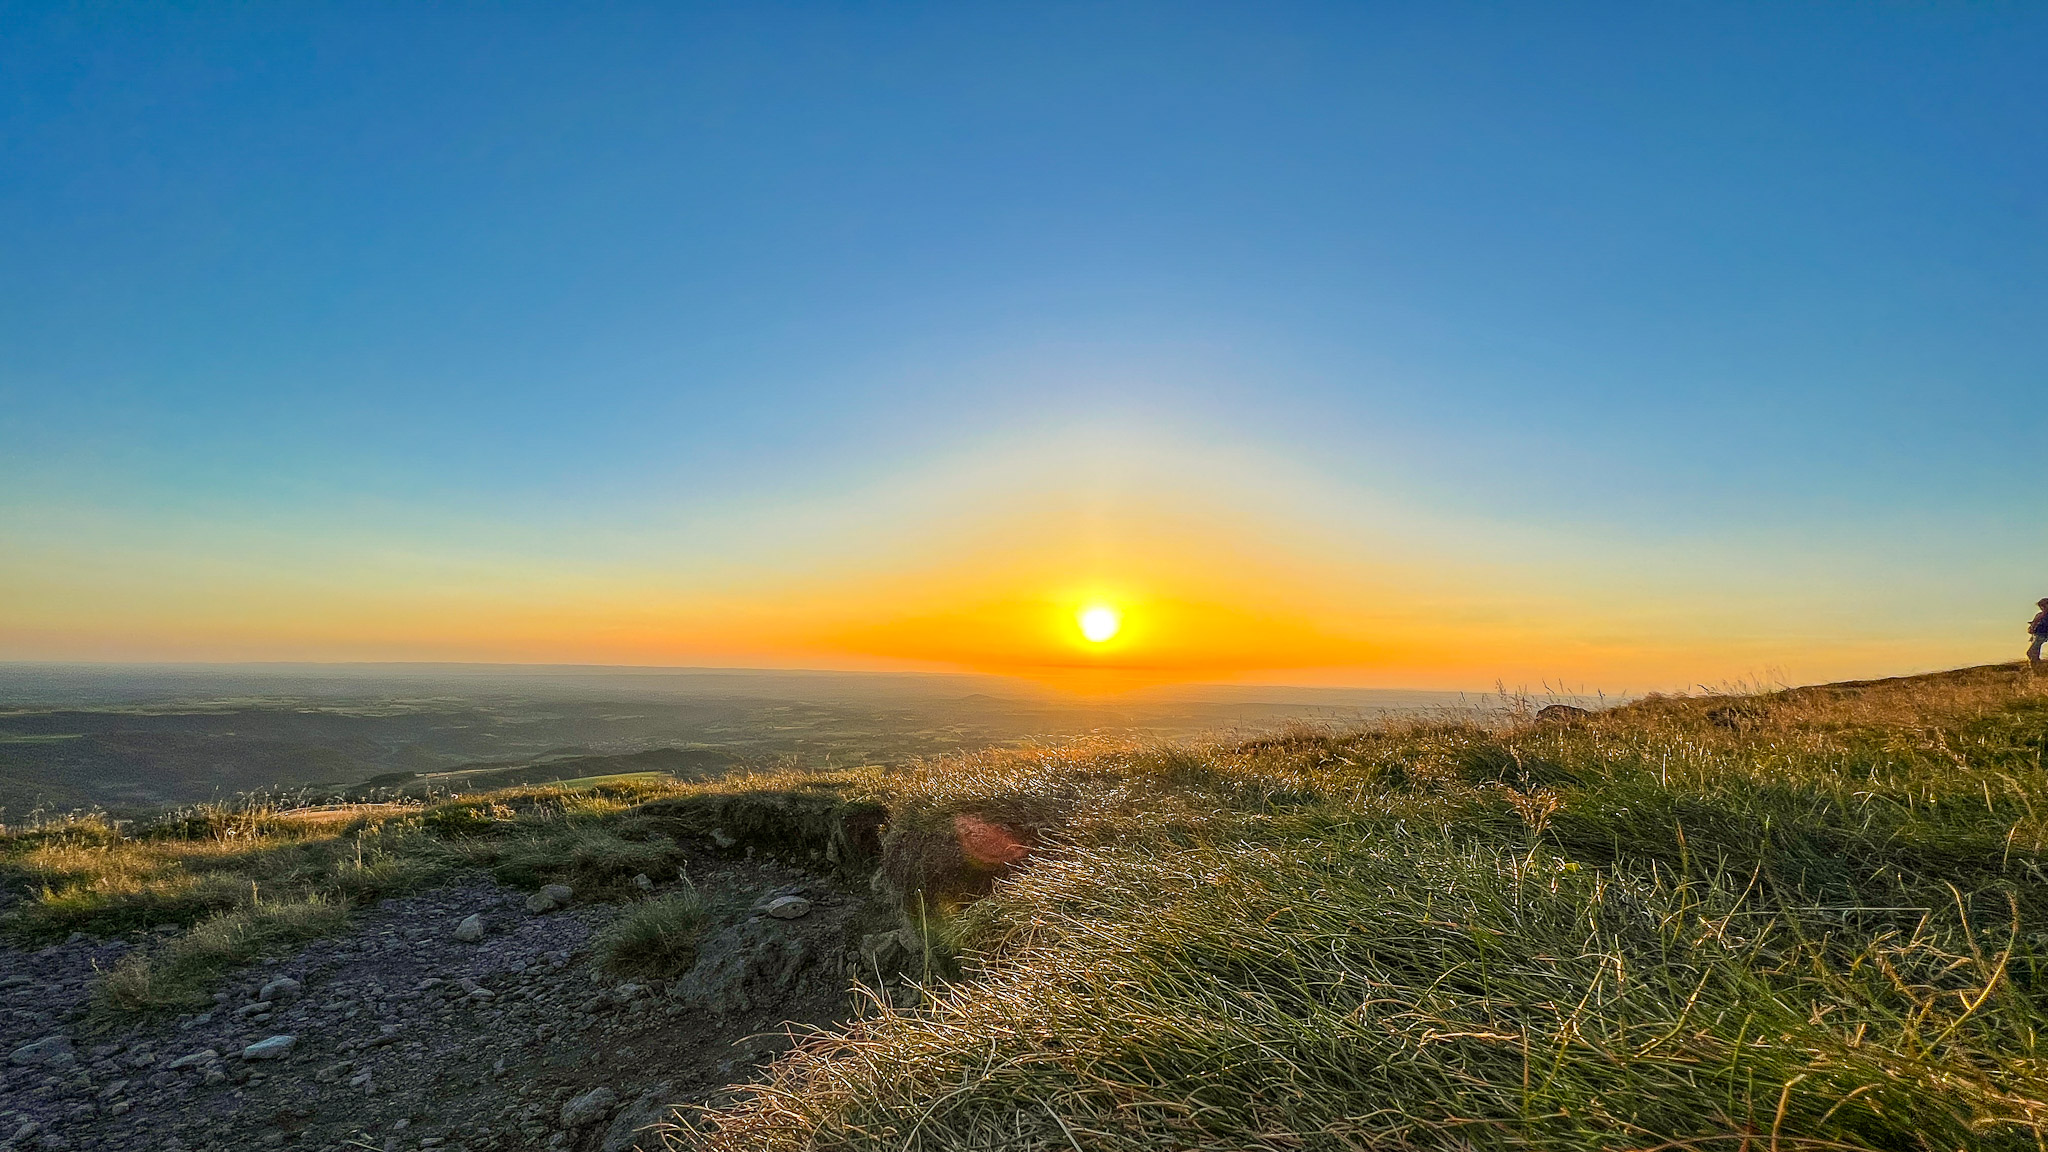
1033 567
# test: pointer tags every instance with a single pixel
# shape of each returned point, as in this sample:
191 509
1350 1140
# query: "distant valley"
136 738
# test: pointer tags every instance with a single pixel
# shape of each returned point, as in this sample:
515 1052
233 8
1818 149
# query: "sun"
1100 623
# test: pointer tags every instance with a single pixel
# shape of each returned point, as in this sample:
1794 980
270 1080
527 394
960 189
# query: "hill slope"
1812 919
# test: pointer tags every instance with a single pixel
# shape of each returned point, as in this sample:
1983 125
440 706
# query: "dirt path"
405 1037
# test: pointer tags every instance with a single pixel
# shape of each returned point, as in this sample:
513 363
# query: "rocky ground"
402 1035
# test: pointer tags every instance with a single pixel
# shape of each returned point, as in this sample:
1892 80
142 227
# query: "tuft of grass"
181 973
657 938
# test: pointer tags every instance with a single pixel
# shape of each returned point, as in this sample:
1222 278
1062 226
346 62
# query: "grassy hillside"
1814 919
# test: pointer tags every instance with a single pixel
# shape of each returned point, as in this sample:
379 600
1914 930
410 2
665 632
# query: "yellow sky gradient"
1226 565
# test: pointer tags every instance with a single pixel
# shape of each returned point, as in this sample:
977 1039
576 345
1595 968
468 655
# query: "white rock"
788 907
48 1050
550 897
283 989
271 1048
471 929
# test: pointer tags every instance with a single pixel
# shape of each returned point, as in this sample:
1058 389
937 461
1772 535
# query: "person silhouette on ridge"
2037 631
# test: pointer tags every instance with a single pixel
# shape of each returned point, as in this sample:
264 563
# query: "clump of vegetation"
1814 919
657 938
180 974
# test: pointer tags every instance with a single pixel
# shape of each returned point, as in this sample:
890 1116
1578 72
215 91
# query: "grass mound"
1804 920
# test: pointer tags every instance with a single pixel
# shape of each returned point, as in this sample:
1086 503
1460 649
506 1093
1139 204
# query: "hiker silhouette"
2037 633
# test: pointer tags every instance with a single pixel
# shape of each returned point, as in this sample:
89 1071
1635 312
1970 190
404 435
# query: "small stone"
22 1134
203 1056
471 929
271 1048
589 1108
788 907
256 1009
540 902
120 1107
883 954
282 990
643 882
50 1051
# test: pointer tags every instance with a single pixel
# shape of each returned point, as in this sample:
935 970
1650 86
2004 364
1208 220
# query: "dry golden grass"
1806 920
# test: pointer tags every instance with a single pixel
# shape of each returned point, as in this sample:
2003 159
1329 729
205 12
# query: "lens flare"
1100 623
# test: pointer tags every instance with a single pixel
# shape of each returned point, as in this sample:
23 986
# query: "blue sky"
483 280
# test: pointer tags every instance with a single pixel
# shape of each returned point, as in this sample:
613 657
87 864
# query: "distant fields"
134 740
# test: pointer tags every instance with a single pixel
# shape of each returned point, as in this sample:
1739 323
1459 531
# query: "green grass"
1807 920
657 938
181 974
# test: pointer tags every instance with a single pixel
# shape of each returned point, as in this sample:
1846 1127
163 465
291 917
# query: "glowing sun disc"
1099 624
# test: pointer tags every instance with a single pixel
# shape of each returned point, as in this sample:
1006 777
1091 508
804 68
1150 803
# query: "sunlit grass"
1806 920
